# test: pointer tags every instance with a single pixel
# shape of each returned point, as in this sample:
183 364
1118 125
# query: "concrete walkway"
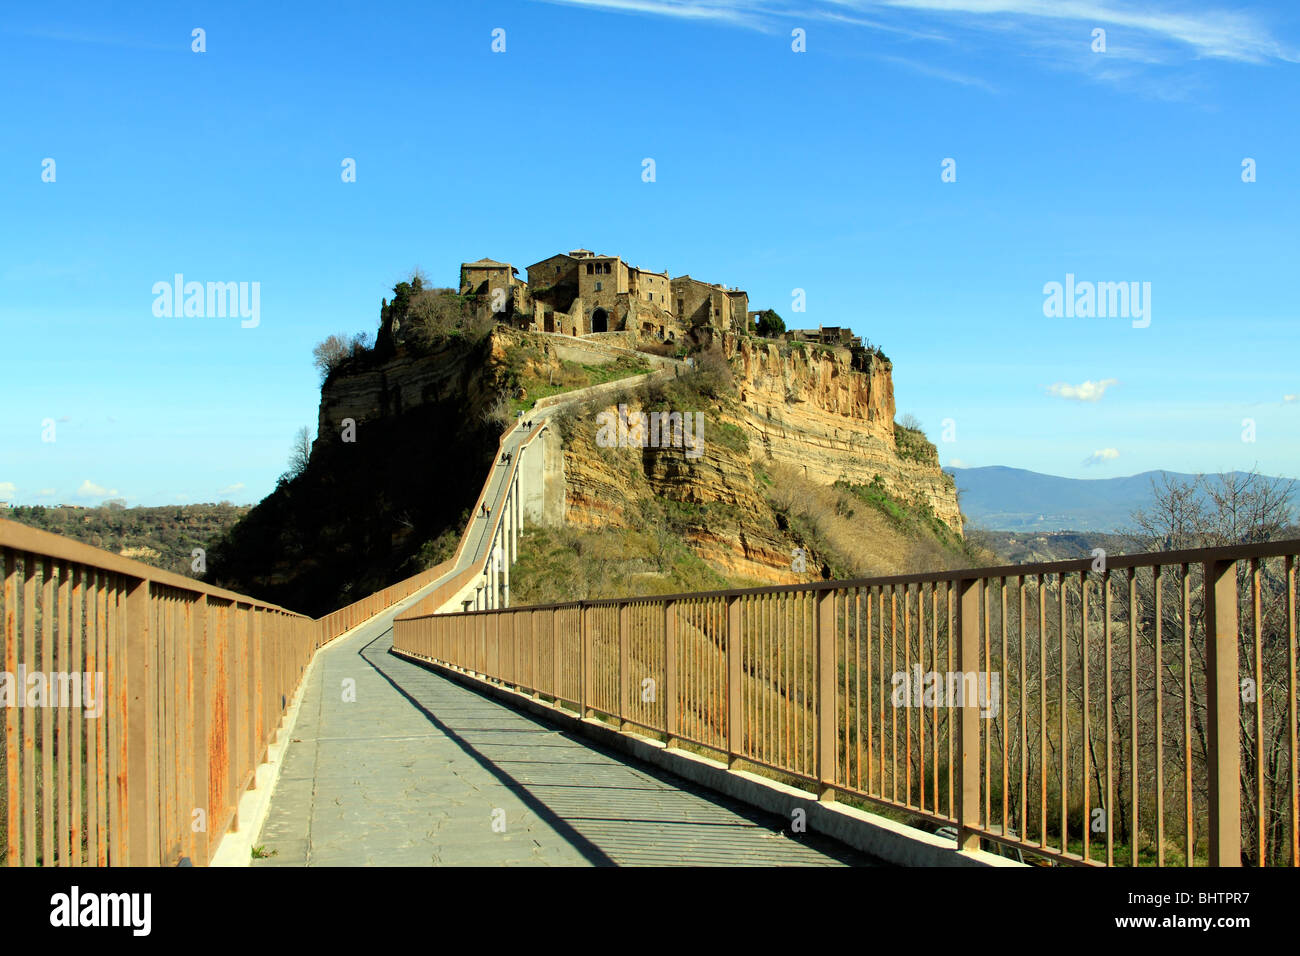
421 771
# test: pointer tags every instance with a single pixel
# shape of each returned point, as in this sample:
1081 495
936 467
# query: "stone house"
582 293
497 285
709 304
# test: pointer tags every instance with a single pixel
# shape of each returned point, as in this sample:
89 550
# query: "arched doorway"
600 321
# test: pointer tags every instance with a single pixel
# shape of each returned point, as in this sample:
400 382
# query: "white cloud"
89 489
7 488
957 463
1290 398
232 489
1104 455
1222 32
730 11
46 493
1084 391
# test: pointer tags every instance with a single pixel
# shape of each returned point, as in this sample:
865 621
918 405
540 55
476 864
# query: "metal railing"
358 612
1143 712
138 703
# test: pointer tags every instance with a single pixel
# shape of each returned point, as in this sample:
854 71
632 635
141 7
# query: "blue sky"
775 170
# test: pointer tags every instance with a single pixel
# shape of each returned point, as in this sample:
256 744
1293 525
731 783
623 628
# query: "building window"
607 268
598 285
588 268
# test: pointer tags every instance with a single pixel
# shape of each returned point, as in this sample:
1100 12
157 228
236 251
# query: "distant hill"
1023 547
1013 499
164 537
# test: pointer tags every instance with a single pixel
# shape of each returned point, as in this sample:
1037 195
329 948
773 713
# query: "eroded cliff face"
406 380
812 409
809 408
714 500
359 516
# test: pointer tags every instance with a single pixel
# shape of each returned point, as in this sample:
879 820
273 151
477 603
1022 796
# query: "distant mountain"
1013 499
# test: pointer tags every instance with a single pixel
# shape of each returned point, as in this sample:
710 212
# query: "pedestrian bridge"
420 770
1132 710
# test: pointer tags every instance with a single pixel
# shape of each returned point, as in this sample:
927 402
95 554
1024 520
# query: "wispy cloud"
736 12
1057 33
232 489
7 488
1102 456
1084 391
1209 31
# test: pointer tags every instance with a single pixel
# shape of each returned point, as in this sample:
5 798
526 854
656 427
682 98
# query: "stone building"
861 357
582 293
701 304
497 286
826 335
601 281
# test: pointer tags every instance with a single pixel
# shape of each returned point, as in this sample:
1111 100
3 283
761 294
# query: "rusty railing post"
535 641
827 736
555 655
584 670
670 673
201 754
624 640
141 739
1223 704
968 746
735 695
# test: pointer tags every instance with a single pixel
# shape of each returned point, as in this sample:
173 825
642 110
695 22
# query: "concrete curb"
868 832
236 846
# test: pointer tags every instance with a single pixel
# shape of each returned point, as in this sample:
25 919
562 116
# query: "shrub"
769 325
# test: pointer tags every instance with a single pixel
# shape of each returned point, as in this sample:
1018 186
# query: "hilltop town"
580 293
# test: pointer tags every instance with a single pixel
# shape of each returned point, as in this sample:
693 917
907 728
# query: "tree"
769 325
299 453
333 351
1203 512
433 315
1219 511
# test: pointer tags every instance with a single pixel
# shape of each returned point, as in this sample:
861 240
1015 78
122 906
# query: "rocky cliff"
712 502
770 408
808 406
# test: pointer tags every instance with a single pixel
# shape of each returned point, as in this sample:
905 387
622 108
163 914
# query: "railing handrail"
799 683
46 544
1237 552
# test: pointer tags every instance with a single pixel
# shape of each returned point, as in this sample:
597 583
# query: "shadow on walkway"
610 809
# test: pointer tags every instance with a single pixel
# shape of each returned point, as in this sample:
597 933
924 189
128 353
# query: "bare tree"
1219 511
334 350
299 453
